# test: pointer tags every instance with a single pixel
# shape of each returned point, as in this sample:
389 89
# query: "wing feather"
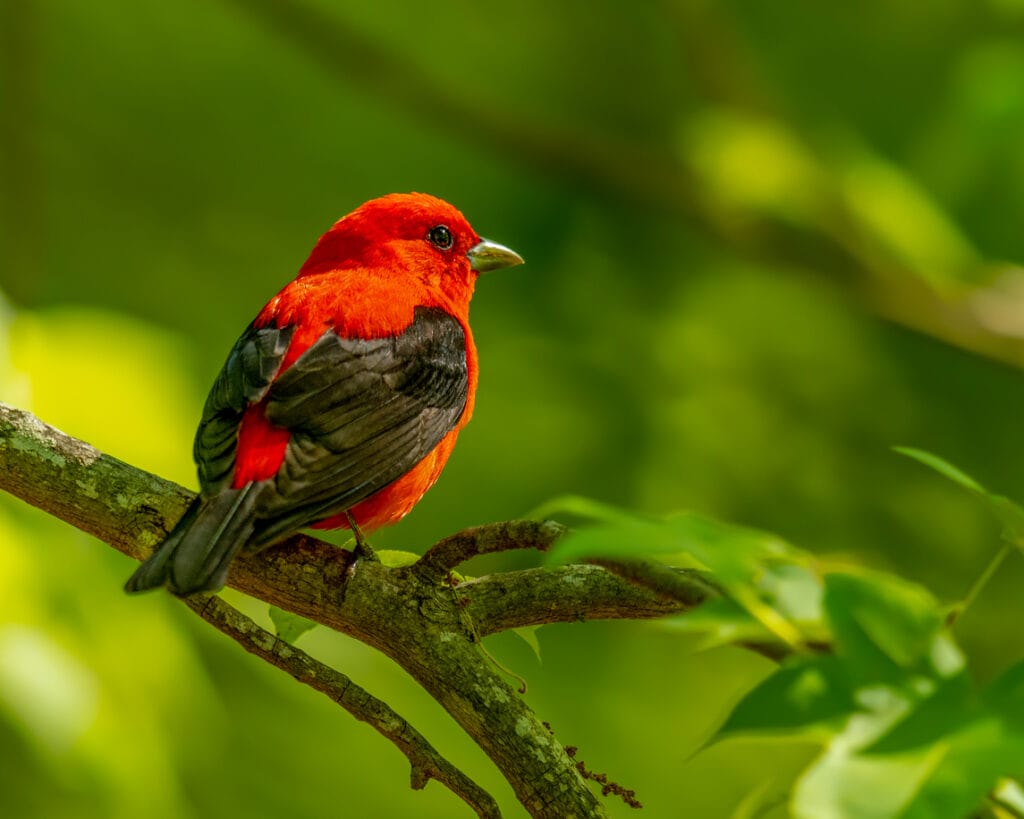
361 414
243 380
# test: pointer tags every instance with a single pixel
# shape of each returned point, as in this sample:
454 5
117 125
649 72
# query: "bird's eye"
441 237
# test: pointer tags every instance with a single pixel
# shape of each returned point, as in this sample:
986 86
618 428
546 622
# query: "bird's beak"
492 256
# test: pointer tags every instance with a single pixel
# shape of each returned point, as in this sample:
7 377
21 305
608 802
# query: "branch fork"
410 614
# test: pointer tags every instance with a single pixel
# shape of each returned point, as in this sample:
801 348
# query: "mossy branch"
426 762
411 614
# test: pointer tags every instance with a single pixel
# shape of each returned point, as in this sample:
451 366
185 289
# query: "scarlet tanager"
342 400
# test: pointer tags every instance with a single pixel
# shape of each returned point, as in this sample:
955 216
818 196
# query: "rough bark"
417 615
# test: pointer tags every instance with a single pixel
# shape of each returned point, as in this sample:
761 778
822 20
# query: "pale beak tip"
487 256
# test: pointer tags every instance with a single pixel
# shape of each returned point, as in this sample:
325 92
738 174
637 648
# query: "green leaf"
582 507
719 621
797 593
528 634
758 801
951 705
843 785
943 467
905 734
883 624
977 744
924 747
1005 696
625 539
735 555
846 783
1009 513
289 626
396 558
947 777
732 553
804 696
964 766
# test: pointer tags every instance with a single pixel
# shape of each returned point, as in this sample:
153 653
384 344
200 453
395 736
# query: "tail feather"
197 553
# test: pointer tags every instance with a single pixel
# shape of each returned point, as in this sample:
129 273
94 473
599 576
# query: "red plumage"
346 394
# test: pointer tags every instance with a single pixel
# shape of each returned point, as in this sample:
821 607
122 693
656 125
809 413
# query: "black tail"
196 554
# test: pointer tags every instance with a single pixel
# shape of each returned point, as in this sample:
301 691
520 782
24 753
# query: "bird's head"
409 235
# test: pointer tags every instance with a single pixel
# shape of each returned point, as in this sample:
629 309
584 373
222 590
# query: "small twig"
972 594
446 554
673 584
471 627
607 787
628 796
426 762
535 597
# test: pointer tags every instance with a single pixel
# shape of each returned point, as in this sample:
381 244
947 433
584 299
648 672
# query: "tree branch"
538 596
426 762
446 554
427 627
535 597
668 583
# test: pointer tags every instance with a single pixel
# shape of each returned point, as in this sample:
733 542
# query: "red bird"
341 402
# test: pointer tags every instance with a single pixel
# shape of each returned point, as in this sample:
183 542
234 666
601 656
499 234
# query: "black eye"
441 237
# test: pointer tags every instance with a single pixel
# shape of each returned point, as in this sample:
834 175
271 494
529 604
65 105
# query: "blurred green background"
764 243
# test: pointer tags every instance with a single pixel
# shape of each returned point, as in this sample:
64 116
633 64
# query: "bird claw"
363 550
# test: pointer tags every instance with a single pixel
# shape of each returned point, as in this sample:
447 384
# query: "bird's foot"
363 550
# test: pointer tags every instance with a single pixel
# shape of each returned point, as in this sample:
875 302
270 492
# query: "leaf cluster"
870 669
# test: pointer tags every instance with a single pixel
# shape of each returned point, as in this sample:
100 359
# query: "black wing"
362 413
243 380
